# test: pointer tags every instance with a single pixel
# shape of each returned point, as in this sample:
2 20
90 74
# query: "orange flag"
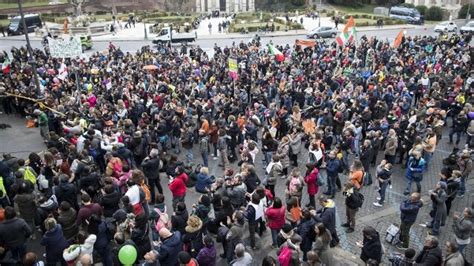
398 39
350 23
308 43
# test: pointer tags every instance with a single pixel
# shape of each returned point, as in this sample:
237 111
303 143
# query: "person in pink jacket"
275 219
311 180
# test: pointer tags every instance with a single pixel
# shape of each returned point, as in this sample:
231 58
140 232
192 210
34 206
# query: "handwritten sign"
65 48
233 68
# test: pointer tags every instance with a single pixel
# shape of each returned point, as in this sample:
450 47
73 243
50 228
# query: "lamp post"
144 27
31 58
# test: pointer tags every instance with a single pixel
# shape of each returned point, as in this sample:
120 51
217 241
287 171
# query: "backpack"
285 256
147 192
340 170
392 234
295 185
358 199
163 220
30 175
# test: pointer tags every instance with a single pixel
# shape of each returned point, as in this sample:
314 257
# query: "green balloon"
127 255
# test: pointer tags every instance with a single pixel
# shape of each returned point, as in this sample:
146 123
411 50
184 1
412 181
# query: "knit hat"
194 224
443 185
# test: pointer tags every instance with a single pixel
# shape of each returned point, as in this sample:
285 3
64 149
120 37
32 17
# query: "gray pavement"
20 141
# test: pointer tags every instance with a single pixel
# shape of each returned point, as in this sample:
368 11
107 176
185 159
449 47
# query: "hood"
329 204
174 240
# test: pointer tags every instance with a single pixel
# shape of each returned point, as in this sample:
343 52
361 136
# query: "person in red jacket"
311 180
275 219
177 186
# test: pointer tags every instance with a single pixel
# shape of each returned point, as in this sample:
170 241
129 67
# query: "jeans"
405 234
418 185
461 249
204 156
105 255
427 156
274 236
357 146
435 225
176 200
252 229
312 201
331 185
152 183
189 155
383 188
267 157
462 186
458 136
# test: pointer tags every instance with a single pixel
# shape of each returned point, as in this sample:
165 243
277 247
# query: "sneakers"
390 187
349 230
378 198
214 158
345 225
376 204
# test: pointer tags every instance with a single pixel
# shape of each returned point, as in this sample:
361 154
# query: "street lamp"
31 58
144 27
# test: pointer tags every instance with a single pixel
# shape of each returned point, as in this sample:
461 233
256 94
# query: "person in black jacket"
459 125
371 246
409 211
431 253
110 200
66 191
251 179
352 203
327 216
15 243
306 230
151 169
179 218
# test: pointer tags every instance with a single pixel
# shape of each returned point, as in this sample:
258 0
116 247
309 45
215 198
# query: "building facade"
228 6
450 7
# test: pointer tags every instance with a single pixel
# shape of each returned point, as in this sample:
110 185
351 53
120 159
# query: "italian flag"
275 52
6 66
348 33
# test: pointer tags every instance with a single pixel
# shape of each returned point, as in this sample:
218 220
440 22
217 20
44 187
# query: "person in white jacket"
76 251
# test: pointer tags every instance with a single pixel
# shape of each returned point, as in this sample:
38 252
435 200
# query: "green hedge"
434 13
422 9
463 12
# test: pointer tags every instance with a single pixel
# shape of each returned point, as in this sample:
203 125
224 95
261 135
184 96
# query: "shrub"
434 13
463 12
422 9
407 5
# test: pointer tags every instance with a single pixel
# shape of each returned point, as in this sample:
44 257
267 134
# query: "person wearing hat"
54 242
438 213
192 238
42 123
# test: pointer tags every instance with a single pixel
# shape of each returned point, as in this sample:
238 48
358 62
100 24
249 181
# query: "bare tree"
77 4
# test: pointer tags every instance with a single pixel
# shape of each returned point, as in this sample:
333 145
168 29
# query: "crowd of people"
327 122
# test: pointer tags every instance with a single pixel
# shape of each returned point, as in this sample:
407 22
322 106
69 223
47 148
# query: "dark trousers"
405 234
105 256
350 216
152 183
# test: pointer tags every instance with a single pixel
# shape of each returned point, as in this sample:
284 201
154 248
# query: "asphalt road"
208 44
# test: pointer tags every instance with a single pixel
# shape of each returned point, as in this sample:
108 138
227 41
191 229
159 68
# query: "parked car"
468 28
410 15
322 32
32 21
446 26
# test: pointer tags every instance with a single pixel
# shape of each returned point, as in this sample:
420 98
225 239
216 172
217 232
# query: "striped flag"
348 33
6 66
275 52
398 39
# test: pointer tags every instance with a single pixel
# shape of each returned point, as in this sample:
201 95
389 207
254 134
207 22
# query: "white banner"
67 48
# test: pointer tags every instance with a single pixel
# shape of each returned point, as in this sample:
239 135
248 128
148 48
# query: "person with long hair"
321 243
371 245
275 216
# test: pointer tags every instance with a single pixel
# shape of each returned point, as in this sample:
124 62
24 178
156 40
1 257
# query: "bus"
410 15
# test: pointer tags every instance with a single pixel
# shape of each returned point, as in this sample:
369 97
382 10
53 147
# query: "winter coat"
74 252
366 155
22 232
391 146
409 210
27 206
66 192
372 249
351 200
179 221
169 249
207 256
275 217
283 152
439 204
311 181
251 182
332 167
462 228
55 244
295 144
323 250
306 230
110 203
455 259
177 187
67 220
328 216
236 194
203 183
275 173
415 169
192 240
151 168
430 256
